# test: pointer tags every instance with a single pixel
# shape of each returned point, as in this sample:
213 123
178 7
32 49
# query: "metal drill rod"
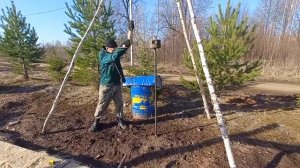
155 90
155 44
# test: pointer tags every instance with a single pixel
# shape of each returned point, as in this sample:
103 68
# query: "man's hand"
131 25
130 31
126 44
123 80
129 35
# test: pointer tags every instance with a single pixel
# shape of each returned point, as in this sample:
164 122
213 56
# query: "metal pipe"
131 47
155 90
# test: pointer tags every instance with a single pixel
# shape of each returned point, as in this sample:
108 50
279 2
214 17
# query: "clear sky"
250 4
50 24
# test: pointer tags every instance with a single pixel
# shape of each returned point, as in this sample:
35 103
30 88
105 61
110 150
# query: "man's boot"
95 126
122 123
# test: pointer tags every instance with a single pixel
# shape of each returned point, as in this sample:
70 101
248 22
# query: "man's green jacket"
110 66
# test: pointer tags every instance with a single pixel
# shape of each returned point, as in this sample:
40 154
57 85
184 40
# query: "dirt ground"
263 124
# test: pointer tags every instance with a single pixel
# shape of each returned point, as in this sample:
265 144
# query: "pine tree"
56 67
230 39
145 61
81 13
19 40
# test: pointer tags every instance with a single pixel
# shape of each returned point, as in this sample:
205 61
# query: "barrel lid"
143 81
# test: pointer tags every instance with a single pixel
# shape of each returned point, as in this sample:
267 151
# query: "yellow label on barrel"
138 99
143 107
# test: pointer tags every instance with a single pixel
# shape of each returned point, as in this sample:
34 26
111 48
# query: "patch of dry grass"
281 73
277 126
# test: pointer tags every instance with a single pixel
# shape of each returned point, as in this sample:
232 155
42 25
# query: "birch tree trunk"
211 89
196 71
71 66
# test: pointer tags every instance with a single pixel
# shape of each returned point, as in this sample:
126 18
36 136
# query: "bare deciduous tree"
276 42
170 30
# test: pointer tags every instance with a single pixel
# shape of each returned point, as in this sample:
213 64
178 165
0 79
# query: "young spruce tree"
230 39
145 61
81 13
19 40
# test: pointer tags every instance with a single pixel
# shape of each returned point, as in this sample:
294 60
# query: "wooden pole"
211 89
202 89
71 66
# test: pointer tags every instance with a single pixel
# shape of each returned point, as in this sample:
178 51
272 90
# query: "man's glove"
126 44
131 25
129 36
123 80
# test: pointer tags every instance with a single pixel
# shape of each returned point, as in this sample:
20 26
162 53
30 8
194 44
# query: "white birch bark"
202 89
211 89
71 66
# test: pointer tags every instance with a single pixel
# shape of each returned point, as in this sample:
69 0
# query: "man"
110 82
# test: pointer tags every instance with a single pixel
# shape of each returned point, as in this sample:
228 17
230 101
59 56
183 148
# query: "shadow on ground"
20 89
243 138
260 102
10 112
180 101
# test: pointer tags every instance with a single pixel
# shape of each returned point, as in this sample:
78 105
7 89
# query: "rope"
45 11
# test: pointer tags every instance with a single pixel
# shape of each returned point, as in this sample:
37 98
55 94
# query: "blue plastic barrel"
142 102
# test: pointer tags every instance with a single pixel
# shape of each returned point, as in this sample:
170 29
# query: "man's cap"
110 43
